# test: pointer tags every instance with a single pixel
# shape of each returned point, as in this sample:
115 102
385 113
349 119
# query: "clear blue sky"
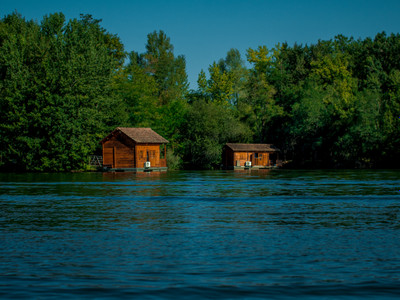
203 31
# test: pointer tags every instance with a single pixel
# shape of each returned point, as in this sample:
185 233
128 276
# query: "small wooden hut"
134 149
241 156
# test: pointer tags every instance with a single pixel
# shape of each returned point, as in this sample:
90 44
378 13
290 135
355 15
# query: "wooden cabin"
134 149
241 156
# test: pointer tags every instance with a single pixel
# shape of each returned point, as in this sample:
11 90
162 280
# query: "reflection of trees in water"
145 202
160 215
190 200
262 173
122 176
135 184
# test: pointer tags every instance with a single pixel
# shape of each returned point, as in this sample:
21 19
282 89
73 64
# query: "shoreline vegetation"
66 83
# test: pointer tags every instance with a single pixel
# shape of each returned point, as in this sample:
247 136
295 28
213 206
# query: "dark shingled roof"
140 135
252 147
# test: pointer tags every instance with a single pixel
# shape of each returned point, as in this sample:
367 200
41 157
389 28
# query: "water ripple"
289 234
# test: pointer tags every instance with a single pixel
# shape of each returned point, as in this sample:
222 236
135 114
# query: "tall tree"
261 93
138 89
209 126
169 71
56 94
234 66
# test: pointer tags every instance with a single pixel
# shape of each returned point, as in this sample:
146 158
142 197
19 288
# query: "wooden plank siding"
257 159
108 157
117 154
260 155
131 148
147 152
262 160
163 162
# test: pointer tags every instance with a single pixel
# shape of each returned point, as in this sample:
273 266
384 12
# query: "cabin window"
258 155
162 151
141 155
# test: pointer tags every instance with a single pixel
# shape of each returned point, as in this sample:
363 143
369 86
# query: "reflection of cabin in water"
256 156
134 149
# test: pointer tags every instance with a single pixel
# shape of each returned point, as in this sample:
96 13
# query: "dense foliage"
56 94
65 84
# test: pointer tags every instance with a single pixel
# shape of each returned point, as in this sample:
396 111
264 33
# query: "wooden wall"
242 157
121 152
262 160
117 154
147 152
231 158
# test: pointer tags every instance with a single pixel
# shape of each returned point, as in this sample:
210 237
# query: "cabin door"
114 164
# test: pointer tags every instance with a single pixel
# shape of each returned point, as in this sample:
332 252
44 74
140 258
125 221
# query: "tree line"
65 84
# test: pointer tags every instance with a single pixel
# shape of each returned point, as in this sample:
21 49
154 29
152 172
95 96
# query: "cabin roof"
252 147
139 135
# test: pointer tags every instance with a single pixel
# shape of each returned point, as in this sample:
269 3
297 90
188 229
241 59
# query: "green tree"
139 91
56 94
261 94
169 71
220 85
154 88
234 66
210 126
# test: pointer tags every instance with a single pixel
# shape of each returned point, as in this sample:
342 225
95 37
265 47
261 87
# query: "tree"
139 92
56 94
261 94
154 88
234 66
220 85
169 72
209 126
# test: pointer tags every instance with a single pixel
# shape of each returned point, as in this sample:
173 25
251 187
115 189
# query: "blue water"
201 235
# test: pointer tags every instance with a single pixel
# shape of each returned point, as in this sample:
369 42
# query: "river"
267 234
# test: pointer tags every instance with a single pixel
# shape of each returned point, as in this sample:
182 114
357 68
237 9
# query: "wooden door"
114 164
109 157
